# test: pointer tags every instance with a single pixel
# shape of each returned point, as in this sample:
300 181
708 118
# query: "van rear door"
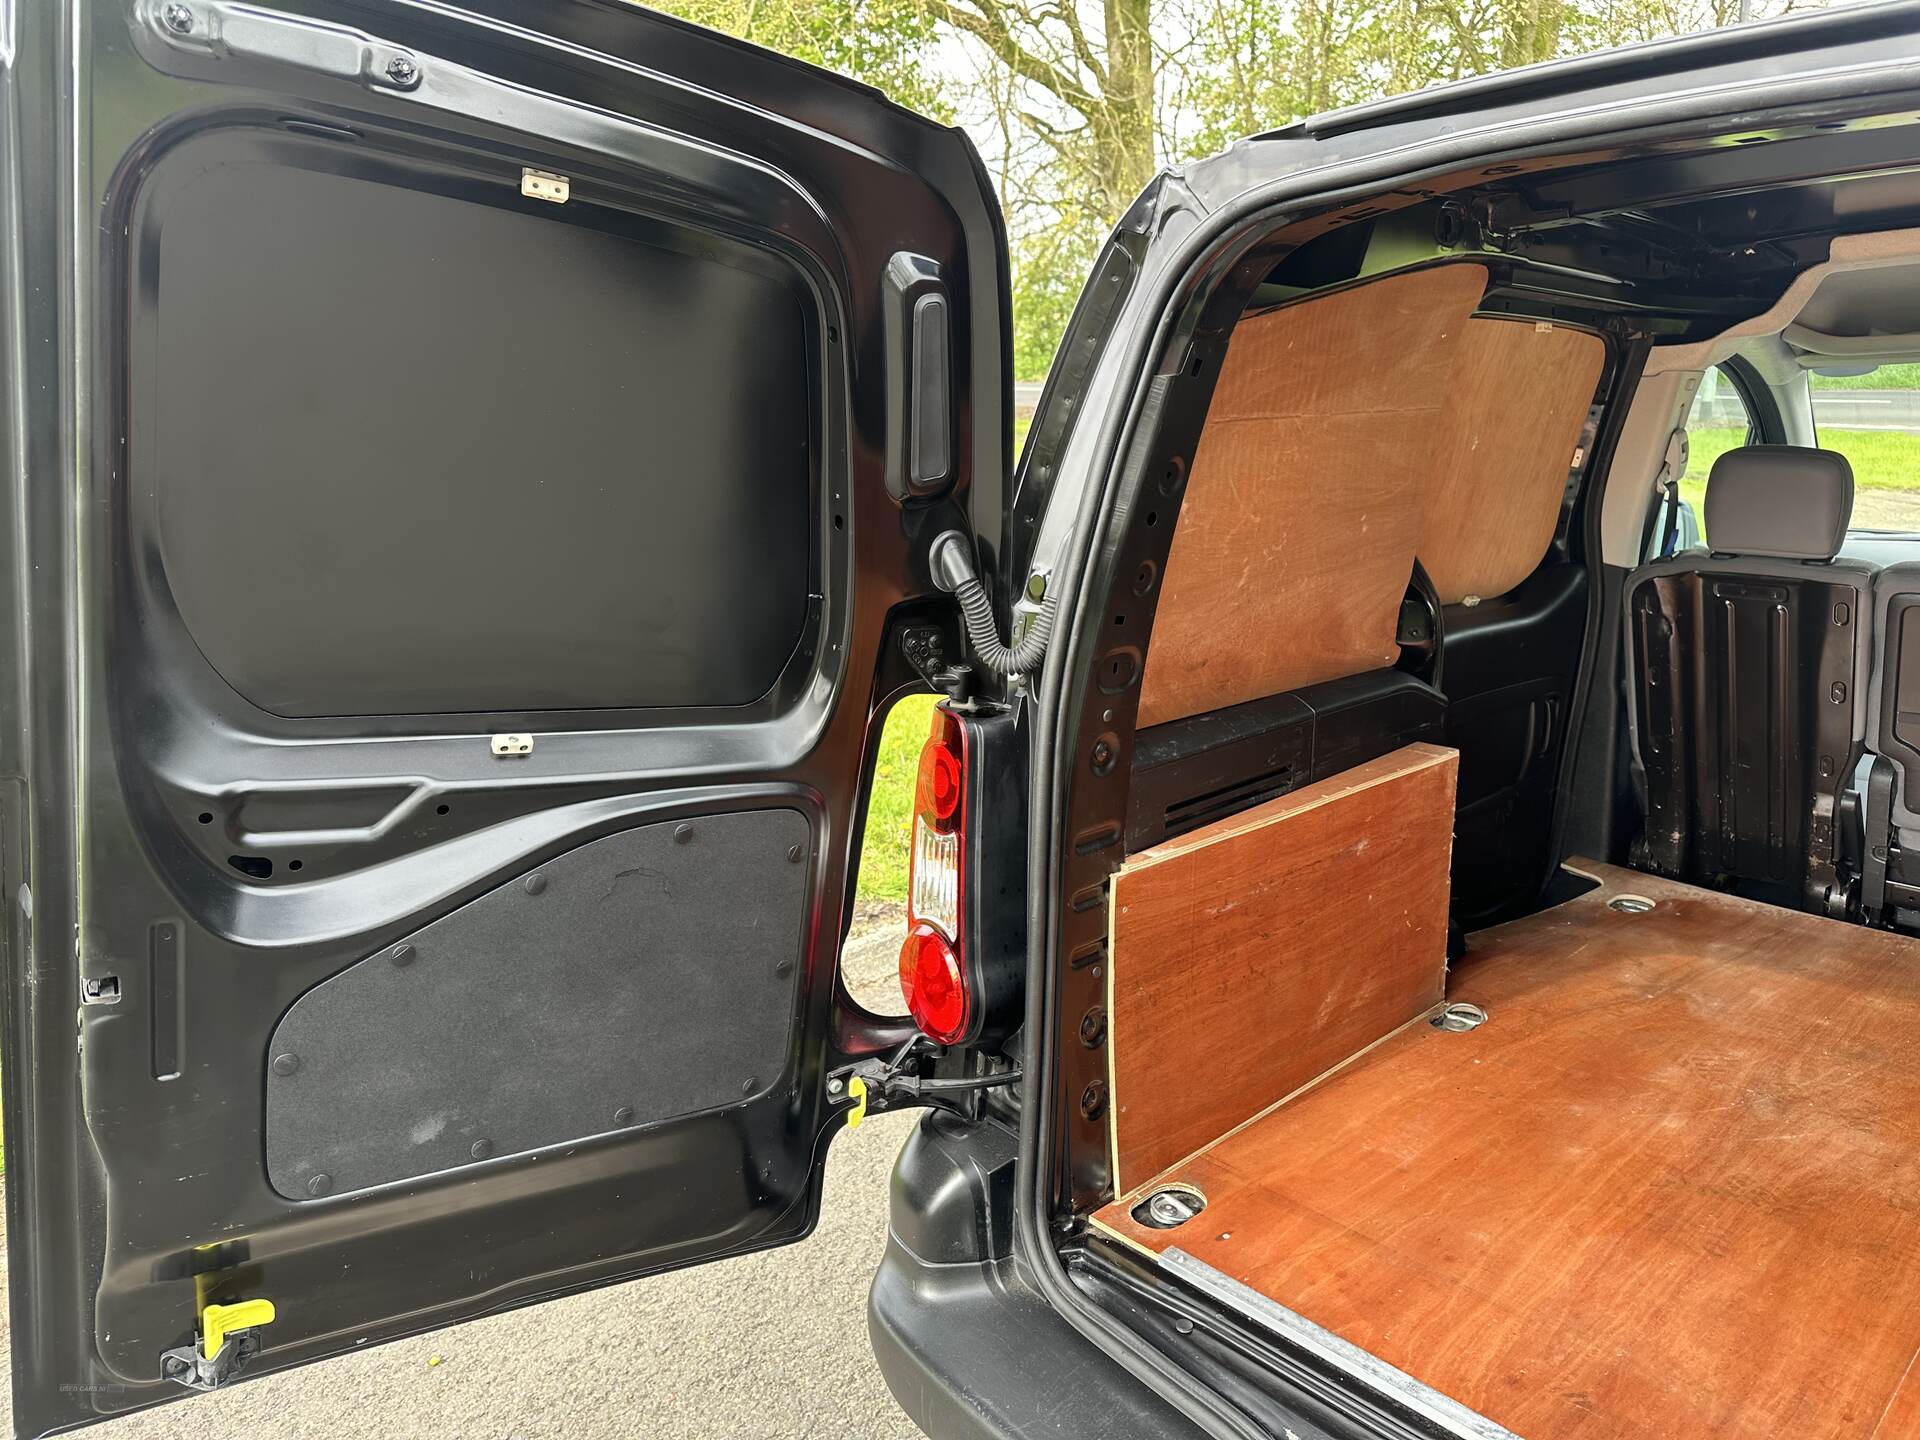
466 466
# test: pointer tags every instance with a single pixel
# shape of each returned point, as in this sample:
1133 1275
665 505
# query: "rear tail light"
932 975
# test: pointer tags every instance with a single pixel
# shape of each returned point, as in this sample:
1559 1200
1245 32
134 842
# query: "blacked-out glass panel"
410 453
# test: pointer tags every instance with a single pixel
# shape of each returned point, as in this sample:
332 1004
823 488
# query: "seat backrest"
1893 697
1748 673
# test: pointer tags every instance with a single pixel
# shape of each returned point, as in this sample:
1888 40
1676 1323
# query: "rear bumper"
969 1349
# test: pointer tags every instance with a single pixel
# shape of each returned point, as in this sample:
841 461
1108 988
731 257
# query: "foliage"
889 831
885 43
1077 103
1885 377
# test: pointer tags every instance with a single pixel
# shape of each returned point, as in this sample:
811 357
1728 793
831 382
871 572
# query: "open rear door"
467 467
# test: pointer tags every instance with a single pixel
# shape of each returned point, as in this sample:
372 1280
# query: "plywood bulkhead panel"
1350 434
1507 436
1250 956
1302 513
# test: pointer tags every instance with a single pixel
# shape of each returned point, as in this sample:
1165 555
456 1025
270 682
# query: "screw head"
1093 1027
285 1064
1093 1100
793 853
682 834
320 1184
481 1149
783 969
836 1086
534 884
174 1366
748 1085
177 18
403 954
623 1116
1036 586
402 71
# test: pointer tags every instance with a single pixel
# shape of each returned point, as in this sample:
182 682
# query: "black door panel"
637 979
354 449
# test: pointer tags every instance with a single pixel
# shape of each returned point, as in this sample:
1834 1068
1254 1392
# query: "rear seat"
1889 783
1749 668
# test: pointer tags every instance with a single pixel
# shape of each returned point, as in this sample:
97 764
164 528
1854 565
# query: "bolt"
1838 694
481 1149
1093 1100
624 1115
285 1064
793 853
1183 1325
177 18
836 1086
534 884
1102 757
403 954
175 1367
402 71
1036 586
320 1184
682 834
1093 1027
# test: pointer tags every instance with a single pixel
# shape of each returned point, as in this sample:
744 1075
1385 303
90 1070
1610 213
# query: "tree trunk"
1124 131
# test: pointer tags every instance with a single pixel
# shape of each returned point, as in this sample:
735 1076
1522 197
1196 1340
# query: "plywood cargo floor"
1670 1188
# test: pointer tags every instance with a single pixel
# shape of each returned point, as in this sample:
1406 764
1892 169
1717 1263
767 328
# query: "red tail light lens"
935 985
937 796
932 975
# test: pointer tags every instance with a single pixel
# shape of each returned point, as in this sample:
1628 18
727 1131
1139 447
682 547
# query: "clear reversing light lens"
934 895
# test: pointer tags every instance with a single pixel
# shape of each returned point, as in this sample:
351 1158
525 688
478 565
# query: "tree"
1096 72
888 44
1078 103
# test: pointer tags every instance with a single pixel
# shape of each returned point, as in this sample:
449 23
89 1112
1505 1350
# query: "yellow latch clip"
857 1088
218 1321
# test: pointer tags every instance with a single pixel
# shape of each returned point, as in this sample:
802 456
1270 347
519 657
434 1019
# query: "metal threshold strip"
1367 1369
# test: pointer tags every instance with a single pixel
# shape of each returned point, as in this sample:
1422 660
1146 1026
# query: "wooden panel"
1507 433
1670 1188
1302 513
1248 957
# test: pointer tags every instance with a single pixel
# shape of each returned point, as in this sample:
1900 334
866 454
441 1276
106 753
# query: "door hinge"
872 1086
225 1342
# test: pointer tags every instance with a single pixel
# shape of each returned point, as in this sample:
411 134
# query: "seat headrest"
1791 502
